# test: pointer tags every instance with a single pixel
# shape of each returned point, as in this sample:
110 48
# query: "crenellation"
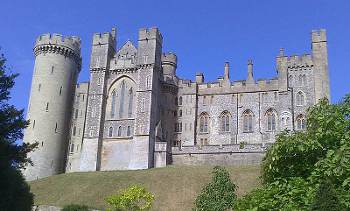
136 113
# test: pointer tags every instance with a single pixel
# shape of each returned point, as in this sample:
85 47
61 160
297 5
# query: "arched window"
203 123
119 131
121 103
300 80
131 101
128 132
114 99
271 120
176 101
304 80
301 122
180 100
247 121
110 132
225 121
300 98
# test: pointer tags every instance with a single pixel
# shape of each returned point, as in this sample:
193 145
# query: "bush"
219 194
326 198
134 198
75 207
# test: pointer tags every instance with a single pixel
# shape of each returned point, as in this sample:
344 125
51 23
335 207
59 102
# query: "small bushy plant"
75 207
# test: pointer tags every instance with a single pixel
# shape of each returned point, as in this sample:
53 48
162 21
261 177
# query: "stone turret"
57 65
169 64
250 79
320 61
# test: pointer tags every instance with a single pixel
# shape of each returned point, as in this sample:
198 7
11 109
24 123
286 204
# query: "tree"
219 194
14 191
326 198
134 198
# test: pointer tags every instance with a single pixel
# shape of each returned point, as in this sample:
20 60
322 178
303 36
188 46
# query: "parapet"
151 33
104 38
319 35
71 42
56 43
169 59
299 61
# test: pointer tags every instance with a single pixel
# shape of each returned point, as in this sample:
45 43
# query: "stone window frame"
120 131
248 121
300 122
110 132
271 120
300 98
204 122
225 121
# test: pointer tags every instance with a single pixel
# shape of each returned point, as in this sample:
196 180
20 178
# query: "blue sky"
203 34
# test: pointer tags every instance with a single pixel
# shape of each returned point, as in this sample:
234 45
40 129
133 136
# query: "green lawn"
174 187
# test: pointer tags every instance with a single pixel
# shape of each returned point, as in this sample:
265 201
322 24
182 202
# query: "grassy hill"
175 187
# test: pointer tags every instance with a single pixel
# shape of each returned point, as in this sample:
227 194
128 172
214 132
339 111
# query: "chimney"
227 71
250 79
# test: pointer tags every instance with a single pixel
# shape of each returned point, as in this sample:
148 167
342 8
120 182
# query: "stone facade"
136 113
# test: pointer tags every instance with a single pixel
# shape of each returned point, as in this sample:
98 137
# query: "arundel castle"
136 113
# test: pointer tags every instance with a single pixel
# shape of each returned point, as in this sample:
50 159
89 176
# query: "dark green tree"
219 194
326 198
14 191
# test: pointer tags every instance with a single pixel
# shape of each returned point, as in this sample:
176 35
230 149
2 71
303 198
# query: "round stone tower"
57 65
169 64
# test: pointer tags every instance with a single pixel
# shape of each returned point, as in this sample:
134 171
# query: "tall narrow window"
247 121
99 81
148 82
33 124
83 97
300 80
110 132
121 103
114 99
271 120
180 100
290 81
119 131
39 87
52 69
47 107
128 132
176 101
56 126
131 101
203 123
76 113
74 130
300 99
143 104
301 123
225 121
60 92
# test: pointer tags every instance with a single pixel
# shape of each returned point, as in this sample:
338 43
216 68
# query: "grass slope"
174 187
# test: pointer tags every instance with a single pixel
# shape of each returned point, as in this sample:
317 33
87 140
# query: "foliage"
299 162
326 198
75 207
219 194
134 198
14 191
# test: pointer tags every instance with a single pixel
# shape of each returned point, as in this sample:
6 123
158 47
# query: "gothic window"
271 120
72 148
178 127
301 122
225 121
304 80
114 100
247 121
203 123
180 100
76 113
119 131
121 102
110 132
300 98
131 101
128 132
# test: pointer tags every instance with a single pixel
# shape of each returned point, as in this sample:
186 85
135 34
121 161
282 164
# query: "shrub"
134 198
326 198
219 194
75 207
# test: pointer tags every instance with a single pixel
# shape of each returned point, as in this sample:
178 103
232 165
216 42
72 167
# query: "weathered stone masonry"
136 113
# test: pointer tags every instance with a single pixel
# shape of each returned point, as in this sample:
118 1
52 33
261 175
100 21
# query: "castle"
136 113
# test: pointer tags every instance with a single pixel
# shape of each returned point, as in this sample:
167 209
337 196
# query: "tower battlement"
104 38
169 58
299 60
72 42
150 33
319 35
